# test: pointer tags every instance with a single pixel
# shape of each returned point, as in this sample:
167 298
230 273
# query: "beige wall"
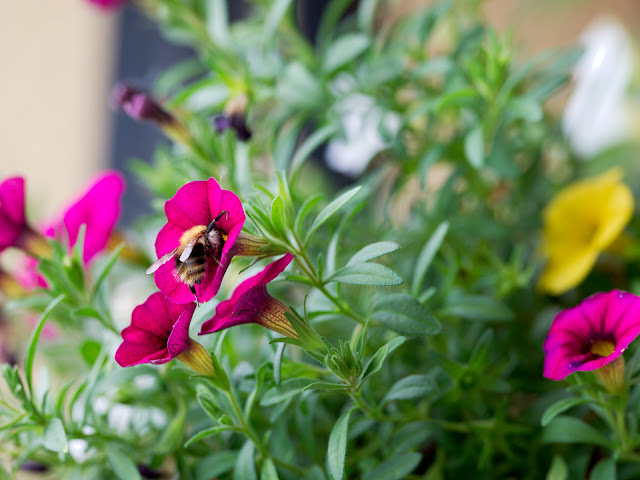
55 74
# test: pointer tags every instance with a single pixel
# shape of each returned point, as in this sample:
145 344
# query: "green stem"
307 268
253 436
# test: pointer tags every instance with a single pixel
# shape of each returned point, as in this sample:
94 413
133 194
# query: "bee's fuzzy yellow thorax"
191 233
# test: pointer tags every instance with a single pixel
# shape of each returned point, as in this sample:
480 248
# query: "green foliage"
438 376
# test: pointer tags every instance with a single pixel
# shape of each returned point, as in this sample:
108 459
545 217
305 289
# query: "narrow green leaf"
412 386
404 314
31 351
344 50
217 18
325 386
477 307
427 254
268 471
373 250
122 465
106 268
287 389
559 407
54 438
328 211
375 364
245 468
366 274
558 469
274 17
474 147
310 144
396 468
207 432
573 430
366 15
605 469
337 448
214 465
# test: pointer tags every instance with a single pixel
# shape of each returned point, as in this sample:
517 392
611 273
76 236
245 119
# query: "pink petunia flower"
251 303
14 229
196 245
592 335
159 332
98 208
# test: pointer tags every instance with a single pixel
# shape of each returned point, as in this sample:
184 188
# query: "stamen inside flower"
602 348
191 233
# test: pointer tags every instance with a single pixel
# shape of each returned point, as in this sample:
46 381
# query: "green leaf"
287 389
559 407
477 307
245 468
208 432
558 469
268 471
366 274
572 430
605 469
214 465
337 448
54 438
331 15
90 350
274 17
217 21
328 211
304 210
106 268
122 465
310 144
404 314
396 468
366 15
427 254
412 386
344 50
373 250
474 147
325 386
277 362
376 362
31 351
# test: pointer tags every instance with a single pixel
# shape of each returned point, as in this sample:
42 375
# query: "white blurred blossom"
598 113
361 120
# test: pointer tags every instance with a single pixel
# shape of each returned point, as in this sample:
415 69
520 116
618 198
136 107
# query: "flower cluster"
194 249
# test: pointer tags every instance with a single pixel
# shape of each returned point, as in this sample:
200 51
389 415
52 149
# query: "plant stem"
253 436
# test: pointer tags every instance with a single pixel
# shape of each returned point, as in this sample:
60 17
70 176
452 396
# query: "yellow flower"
579 223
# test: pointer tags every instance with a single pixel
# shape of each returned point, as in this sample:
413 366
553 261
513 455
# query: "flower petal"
189 206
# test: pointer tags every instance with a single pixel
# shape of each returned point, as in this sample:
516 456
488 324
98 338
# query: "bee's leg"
212 225
193 290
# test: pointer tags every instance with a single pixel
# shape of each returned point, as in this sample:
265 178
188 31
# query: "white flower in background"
597 114
361 122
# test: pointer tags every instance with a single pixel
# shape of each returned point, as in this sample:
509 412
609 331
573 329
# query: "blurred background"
61 58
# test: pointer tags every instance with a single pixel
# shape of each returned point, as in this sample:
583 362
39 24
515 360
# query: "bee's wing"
161 261
188 248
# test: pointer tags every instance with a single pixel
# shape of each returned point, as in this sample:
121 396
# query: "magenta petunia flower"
196 245
14 229
159 332
251 303
98 208
592 334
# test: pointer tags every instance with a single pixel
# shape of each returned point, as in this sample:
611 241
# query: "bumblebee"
196 245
